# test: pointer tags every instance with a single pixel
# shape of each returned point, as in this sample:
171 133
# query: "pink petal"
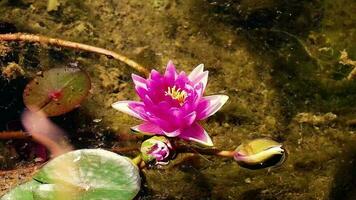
171 73
139 81
199 76
155 75
126 107
173 133
203 78
141 92
196 72
210 105
199 89
196 133
163 124
148 128
181 80
189 119
147 101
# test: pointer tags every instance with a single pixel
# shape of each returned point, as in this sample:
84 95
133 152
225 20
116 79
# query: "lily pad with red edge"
57 91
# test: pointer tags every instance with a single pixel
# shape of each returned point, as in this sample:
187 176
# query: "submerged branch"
73 45
8 135
302 44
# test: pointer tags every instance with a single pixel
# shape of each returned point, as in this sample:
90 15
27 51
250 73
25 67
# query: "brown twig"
73 45
7 135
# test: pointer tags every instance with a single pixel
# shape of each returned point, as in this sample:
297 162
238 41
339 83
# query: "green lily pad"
23 192
87 174
57 91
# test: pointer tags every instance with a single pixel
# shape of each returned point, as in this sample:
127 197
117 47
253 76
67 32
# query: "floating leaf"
87 174
23 192
57 91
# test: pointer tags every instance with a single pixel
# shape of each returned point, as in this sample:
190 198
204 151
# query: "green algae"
274 59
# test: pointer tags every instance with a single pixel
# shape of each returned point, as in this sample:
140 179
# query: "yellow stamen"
177 94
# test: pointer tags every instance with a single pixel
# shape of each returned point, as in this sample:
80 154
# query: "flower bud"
156 150
260 153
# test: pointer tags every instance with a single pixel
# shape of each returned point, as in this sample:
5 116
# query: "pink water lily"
172 104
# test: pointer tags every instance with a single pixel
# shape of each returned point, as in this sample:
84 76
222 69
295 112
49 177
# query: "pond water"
288 67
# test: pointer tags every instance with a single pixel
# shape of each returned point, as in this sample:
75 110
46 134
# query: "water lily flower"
260 153
157 150
172 104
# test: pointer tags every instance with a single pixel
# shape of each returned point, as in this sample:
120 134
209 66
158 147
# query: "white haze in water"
45 132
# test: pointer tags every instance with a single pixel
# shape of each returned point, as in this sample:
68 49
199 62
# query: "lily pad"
57 91
87 174
23 192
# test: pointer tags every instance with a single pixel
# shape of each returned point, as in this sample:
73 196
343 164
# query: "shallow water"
282 63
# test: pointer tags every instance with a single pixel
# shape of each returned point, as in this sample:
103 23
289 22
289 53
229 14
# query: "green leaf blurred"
86 174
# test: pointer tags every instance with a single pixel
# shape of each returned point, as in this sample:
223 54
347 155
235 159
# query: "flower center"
177 94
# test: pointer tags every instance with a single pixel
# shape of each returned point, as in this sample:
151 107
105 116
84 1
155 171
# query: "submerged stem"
225 153
216 152
73 45
137 160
